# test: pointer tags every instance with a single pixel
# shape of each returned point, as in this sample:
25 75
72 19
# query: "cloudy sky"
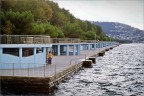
129 12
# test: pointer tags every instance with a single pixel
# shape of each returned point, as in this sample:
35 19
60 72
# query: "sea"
120 72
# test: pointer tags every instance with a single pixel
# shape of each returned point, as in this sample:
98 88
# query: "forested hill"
43 17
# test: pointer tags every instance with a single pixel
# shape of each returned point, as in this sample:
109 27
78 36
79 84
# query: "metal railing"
72 40
90 41
65 40
31 70
40 39
24 39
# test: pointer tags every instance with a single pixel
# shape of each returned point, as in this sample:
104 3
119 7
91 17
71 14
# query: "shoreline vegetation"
43 17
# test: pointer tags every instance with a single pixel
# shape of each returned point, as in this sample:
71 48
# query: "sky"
129 12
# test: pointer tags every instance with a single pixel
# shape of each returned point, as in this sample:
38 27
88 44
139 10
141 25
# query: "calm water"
120 72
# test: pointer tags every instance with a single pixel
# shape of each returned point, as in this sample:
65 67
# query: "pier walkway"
23 67
59 64
44 79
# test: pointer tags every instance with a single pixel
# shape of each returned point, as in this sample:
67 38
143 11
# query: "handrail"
24 39
28 69
41 39
65 40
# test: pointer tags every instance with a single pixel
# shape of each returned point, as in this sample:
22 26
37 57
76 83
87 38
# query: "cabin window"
39 50
27 52
11 51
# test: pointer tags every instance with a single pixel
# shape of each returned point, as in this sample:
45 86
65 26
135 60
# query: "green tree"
7 28
20 23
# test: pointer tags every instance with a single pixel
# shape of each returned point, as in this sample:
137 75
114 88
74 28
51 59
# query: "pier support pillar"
58 50
104 44
44 58
20 55
35 55
99 45
94 46
78 50
67 50
62 49
89 47
0 54
85 47
73 49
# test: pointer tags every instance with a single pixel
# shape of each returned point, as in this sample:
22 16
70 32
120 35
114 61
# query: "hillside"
121 31
43 17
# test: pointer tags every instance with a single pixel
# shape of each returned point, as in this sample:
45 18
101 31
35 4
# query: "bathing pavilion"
23 61
31 50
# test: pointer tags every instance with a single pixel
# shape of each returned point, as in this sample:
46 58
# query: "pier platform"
43 79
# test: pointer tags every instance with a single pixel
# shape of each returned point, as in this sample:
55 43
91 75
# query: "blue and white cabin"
22 51
27 51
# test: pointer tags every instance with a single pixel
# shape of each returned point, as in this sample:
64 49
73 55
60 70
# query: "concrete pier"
87 64
43 79
101 53
107 50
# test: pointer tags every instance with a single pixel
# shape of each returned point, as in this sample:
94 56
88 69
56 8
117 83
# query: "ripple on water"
120 72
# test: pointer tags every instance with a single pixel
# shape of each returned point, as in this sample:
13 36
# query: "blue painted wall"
8 61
